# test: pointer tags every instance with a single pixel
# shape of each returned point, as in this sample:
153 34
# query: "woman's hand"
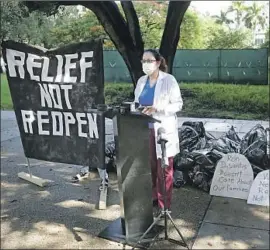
149 110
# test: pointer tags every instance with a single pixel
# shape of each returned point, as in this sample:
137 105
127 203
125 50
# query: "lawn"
6 102
228 101
211 100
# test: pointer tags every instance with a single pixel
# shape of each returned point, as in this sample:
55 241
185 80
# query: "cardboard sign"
233 177
259 191
54 94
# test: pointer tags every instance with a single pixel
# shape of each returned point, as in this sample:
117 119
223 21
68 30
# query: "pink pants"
157 184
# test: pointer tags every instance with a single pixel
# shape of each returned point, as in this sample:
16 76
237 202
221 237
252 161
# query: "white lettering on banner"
66 88
59 132
57 102
45 71
84 65
61 120
40 121
69 65
47 96
93 130
81 122
15 59
69 119
30 64
233 177
59 73
28 118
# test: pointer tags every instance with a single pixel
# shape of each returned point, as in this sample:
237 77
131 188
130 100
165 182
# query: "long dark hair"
163 65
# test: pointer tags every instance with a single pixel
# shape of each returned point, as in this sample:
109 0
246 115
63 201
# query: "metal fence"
247 66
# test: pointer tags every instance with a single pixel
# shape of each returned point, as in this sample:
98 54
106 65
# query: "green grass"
226 100
211 100
6 102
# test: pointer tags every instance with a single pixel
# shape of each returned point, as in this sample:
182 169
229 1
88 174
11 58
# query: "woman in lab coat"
160 93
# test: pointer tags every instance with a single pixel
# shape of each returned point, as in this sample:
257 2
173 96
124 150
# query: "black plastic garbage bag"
191 136
201 158
229 143
179 178
215 155
200 152
225 145
232 135
183 161
197 126
233 140
110 149
254 147
200 178
256 169
188 138
110 156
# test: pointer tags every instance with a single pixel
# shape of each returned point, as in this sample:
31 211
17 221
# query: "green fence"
232 66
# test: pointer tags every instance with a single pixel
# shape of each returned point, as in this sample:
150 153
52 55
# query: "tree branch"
171 34
133 24
114 25
107 13
112 21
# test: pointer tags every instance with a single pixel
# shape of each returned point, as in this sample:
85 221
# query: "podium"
131 135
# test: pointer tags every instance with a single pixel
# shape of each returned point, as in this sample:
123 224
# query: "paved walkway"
64 215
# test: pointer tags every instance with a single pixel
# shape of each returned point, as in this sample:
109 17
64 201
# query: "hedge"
209 99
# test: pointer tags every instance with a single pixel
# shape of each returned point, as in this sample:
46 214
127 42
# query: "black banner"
55 93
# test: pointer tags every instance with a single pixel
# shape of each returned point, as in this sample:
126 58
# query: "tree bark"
133 24
171 34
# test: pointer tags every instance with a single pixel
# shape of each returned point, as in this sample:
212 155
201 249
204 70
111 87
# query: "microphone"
161 130
161 135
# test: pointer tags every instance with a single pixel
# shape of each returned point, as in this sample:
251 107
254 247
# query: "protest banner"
55 94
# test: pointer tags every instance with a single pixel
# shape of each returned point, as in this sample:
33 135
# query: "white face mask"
149 68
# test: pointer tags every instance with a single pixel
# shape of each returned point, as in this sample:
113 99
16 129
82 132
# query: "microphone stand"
165 211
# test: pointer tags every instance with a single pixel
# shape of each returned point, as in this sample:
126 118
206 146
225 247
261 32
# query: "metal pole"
165 203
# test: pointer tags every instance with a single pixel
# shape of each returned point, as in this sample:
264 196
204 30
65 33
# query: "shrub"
116 93
200 99
208 99
230 97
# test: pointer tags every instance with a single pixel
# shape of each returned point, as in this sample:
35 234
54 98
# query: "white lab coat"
167 101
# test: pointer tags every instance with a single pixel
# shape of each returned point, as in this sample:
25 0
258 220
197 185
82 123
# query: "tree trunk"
115 26
171 34
126 36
